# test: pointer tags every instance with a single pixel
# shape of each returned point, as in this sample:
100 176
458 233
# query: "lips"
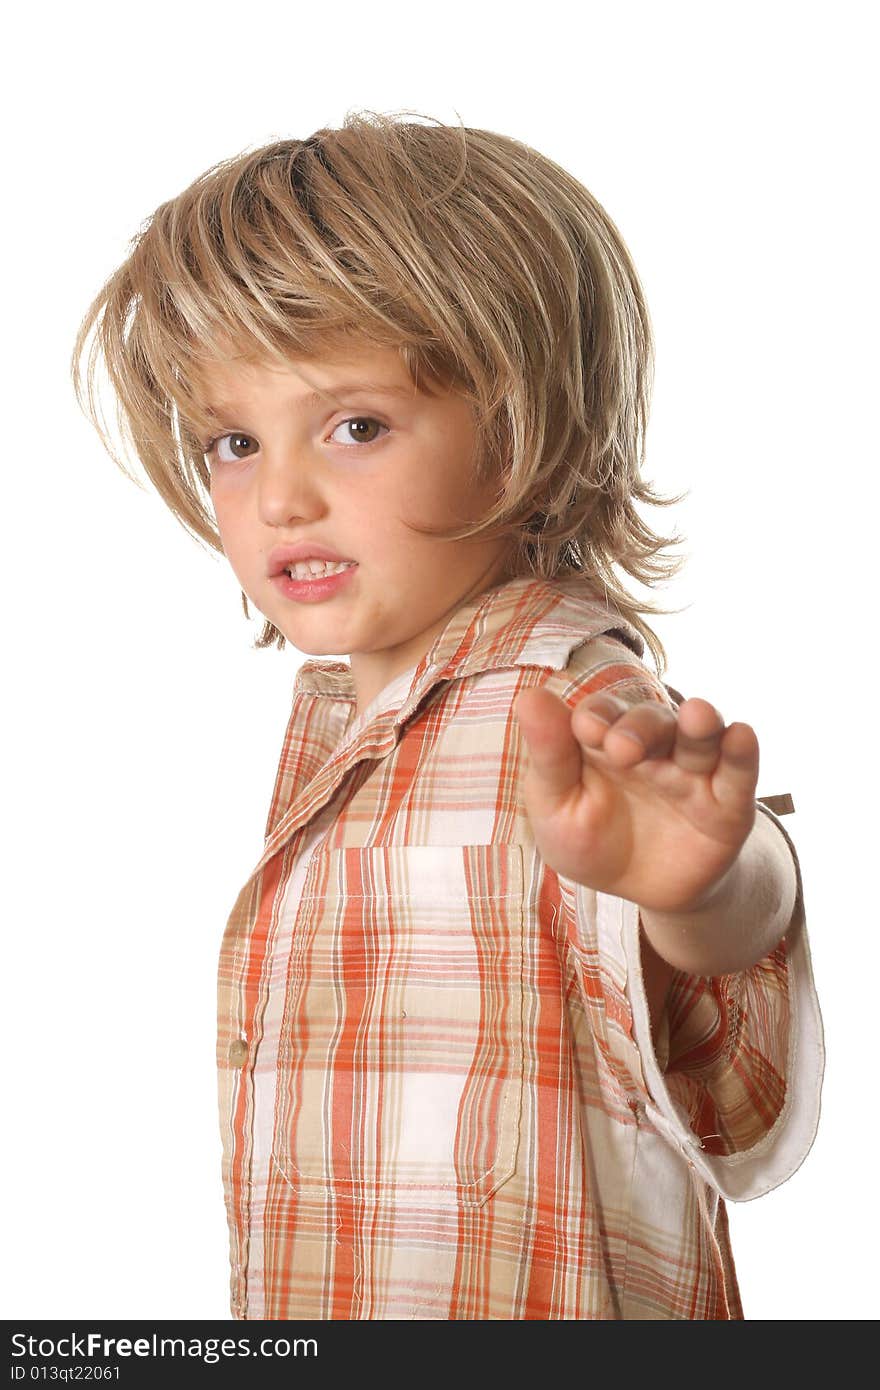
316 588
285 555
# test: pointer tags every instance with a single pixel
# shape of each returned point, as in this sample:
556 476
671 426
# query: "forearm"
745 918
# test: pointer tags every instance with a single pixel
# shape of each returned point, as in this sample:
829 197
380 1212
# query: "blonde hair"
492 271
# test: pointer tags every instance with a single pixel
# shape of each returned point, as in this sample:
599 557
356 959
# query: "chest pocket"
401 1051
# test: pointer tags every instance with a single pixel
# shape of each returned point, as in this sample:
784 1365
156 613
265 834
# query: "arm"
667 820
742 919
741 924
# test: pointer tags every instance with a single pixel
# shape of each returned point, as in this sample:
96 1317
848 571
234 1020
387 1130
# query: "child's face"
288 470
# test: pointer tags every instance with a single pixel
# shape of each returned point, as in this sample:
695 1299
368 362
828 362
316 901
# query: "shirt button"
238 1052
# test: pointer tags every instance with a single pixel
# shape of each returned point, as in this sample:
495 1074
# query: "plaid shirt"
439 1094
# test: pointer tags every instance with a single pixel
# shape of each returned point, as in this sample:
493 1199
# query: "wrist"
741 919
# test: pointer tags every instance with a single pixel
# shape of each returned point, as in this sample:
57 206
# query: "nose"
289 487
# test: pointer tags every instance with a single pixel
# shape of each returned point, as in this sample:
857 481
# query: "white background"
733 145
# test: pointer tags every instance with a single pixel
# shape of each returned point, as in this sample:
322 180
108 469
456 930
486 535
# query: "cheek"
226 509
375 514
435 500
232 536
216 495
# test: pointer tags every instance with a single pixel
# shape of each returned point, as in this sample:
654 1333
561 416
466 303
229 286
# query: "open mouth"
305 570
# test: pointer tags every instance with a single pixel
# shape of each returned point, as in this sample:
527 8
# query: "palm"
658 824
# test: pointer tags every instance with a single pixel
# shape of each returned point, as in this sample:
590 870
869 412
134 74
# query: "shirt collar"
522 622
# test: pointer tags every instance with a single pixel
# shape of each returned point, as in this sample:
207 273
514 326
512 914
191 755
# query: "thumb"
555 758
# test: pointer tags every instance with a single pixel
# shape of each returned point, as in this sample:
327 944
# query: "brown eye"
230 447
358 429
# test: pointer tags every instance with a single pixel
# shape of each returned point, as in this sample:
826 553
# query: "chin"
309 644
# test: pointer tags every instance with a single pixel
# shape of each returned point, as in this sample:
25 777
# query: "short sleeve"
734 1081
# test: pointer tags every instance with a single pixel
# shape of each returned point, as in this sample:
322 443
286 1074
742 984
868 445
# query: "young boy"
519 990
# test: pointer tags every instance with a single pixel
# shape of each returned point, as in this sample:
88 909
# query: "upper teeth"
305 569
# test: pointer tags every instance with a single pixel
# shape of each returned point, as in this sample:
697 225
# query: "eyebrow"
315 398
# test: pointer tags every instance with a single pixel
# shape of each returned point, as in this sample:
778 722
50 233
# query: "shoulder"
606 662
602 662
559 633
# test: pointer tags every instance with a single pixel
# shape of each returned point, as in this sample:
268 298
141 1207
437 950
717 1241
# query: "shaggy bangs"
490 269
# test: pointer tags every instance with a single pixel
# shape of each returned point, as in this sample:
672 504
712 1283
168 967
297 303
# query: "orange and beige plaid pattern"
439 1094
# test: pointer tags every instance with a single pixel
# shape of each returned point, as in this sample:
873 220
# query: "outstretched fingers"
624 733
736 776
698 737
694 739
555 760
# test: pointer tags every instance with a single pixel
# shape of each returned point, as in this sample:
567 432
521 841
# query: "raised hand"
639 801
